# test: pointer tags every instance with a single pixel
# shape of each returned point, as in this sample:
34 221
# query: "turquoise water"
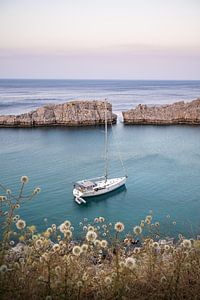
163 165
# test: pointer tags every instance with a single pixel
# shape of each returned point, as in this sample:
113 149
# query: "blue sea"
163 162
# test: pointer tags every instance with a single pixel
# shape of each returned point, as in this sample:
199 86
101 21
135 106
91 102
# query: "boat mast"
106 142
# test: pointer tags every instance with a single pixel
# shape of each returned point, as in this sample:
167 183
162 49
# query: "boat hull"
103 187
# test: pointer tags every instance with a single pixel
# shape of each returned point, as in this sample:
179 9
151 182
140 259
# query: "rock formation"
75 113
176 113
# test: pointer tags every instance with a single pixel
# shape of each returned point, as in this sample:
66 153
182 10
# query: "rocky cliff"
177 113
75 113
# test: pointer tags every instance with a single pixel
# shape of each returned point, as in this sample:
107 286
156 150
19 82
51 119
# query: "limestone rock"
75 113
176 113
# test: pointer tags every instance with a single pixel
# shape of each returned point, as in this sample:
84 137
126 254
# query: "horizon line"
94 79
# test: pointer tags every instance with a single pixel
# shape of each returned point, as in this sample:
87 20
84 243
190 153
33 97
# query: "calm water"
163 163
17 96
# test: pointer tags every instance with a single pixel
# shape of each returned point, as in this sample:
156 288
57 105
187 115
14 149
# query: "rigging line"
118 152
106 142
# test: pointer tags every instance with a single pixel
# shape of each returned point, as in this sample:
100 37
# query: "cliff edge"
176 113
75 113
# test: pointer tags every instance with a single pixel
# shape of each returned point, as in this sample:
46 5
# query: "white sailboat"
101 185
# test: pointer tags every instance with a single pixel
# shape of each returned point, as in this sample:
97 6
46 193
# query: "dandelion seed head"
101 219
76 250
24 179
167 247
108 280
67 223
91 228
137 230
37 190
68 234
56 247
84 248
49 230
104 243
130 263
119 227
186 243
136 250
84 228
91 236
155 245
142 224
53 226
157 224
21 224
97 243
8 191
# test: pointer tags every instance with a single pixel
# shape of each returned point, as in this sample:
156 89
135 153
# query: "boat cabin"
84 185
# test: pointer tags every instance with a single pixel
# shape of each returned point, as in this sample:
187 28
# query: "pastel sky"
100 39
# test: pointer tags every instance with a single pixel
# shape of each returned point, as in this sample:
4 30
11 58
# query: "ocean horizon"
23 95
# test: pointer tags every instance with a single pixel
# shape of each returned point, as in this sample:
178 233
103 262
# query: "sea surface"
162 162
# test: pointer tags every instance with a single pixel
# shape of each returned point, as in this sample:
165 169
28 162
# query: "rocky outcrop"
75 113
176 113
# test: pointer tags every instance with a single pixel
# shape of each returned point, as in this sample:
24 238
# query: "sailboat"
100 185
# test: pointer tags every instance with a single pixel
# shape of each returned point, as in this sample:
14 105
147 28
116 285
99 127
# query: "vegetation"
103 265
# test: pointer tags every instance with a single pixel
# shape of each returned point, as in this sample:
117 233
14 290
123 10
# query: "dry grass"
49 265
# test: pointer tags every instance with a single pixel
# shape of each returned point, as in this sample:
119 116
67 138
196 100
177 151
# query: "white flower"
67 223
104 243
119 227
137 230
63 227
155 245
77 250
84 247
187 243
24 179
97 243
136 250
21 224
130 263
167 247
91 236
38 243
148 219
68 234
37 190
91 228
101 219
56 247
108 280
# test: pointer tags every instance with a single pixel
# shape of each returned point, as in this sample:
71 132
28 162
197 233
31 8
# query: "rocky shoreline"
170 114
75 113
91 113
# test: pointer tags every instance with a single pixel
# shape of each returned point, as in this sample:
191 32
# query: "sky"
100 39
